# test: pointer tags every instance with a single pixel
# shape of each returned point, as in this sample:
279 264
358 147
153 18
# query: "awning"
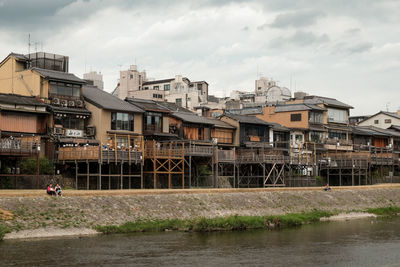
74 111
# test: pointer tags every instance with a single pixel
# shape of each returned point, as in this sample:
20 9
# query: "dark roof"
18 56
388 132
360 130
59 75
279 128
21 100
192 118
158 81
105 100
326 101
392 114
297 107
220 124
395 127
147 105
173 107
247 119
78 111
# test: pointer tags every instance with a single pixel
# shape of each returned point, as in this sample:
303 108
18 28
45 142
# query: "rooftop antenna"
387 106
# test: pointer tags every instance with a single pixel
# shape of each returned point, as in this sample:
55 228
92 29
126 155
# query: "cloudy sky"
346 49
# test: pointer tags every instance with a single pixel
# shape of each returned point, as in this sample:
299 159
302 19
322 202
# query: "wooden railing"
17 146
153 149
79 153
226 155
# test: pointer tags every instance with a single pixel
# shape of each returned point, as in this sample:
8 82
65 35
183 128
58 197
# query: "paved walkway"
124 192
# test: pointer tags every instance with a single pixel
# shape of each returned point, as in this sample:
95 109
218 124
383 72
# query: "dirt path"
126 192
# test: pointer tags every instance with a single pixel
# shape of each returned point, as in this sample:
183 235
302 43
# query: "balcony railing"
17 146
93 153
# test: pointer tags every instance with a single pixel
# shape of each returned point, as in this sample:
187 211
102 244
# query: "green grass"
3 231
385 211
231 223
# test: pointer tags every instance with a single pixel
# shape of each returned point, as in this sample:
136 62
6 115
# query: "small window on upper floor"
376 121
166 87
295 117
156 87
388 121
131 76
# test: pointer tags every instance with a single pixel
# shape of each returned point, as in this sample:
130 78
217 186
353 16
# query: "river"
364 242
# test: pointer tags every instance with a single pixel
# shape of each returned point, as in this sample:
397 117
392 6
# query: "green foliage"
28 166
385 211
231 223
3 231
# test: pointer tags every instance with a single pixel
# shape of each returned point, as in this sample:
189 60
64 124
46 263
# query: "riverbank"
79 210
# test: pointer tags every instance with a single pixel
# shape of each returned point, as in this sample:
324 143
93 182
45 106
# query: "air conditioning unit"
71 103
58 130
64 103
91 131
79 103
55 101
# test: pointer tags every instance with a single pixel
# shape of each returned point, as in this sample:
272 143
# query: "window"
65 89
156 87
200 87
70 122
122 121
178 102
315 117
337 135
154 95
316 137
376 121
295 117
153 122
131 76
166 87
145 88
159 96
337 115
388 121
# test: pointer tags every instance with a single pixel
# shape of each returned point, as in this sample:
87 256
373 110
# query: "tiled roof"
173 107
59 75
105 100
247 119
325 100
192 118
21 100
147 105
297 107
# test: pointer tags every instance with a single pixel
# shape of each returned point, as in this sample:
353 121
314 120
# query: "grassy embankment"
233 223
230 223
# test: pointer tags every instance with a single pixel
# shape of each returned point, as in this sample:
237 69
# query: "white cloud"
326 47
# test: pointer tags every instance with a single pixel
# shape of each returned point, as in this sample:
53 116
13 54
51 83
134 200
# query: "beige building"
115 122
96 78
179 90
267 90
382 119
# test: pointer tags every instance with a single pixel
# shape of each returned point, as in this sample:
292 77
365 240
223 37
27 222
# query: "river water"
364 242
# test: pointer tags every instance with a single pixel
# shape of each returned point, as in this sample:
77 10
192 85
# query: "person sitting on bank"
58 190
327 187
50 190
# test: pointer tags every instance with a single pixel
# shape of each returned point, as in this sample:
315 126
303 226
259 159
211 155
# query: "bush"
28 166
3 231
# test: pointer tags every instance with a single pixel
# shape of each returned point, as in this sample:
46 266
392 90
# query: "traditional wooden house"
251 131
115 123
155 119
46 77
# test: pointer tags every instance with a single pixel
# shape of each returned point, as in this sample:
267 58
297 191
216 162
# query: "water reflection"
367 242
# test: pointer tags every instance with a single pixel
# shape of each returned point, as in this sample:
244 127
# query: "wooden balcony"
18 147
153 149
226 155
92 153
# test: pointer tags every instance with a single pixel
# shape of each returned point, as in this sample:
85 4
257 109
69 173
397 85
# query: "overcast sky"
346 49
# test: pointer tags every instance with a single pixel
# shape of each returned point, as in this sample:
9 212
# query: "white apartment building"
179 90
267 90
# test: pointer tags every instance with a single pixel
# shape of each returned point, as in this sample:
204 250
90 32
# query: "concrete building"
179 90
267 90
96 78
